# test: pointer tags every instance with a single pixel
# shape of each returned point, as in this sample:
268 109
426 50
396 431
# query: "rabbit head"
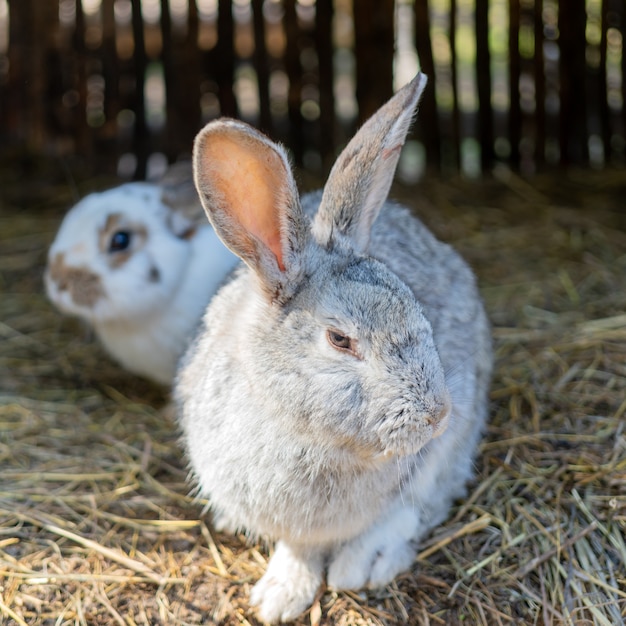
118 255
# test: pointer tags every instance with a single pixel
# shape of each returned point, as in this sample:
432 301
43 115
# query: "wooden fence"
125 84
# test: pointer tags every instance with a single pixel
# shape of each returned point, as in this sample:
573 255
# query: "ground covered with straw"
96 526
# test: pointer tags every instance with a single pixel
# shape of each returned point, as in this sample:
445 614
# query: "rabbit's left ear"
359 182
248 191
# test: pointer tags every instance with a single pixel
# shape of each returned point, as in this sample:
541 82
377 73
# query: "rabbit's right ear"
248 191
360 180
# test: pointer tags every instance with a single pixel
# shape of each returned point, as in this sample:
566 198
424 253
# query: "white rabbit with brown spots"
139 264
334 398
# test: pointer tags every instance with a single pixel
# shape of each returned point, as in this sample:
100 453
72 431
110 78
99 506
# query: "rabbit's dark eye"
340 341
120 240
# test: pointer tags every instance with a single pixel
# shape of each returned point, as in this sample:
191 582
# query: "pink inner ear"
249 177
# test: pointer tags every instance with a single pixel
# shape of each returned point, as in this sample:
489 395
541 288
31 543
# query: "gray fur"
343 458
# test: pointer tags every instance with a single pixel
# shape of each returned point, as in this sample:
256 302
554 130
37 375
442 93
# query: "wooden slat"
294 73
515 112
483 81
428 109
141 137
81 132
573 82
182 70
603 102
540 86
110 66
9 92
170 78
456 125
261 65
324 46
222 60
374 45
14 103
189 67
106 144
621 6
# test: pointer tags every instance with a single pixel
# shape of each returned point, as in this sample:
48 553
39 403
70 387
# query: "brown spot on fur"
84 286
118 259
189 233
154 276
114 223
104 234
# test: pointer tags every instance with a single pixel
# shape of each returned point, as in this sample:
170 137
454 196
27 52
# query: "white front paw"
376 557
289 585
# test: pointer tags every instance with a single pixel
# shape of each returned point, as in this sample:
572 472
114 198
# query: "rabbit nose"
441 418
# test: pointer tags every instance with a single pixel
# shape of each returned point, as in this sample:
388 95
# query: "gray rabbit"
335 395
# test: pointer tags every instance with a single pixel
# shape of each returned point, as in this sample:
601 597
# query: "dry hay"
95 523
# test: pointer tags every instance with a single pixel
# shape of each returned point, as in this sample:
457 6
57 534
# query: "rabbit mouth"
405 437
405 440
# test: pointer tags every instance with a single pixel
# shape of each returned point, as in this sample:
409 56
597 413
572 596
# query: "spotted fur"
84 286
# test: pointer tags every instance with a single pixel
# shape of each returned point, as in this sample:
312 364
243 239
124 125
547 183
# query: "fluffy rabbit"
139 263
334 397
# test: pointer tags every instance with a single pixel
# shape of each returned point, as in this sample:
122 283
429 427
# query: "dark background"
120 87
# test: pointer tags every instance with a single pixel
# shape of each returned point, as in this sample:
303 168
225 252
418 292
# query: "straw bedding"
96 526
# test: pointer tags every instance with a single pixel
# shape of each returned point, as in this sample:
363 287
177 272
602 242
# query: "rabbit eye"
120 240
340 341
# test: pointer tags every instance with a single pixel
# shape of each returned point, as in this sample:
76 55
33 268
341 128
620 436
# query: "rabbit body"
134 269
335 394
